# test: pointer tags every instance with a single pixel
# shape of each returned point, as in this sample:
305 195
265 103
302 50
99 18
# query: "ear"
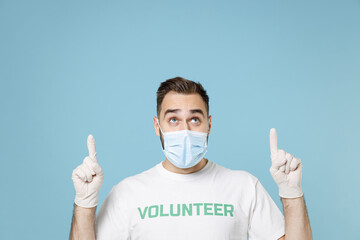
209 124
156 126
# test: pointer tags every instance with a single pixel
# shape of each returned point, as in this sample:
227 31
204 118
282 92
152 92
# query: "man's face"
182 112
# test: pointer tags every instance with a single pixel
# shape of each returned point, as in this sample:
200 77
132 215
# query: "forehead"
185 102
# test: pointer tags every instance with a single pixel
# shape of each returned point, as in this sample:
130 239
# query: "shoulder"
240 184
236 175
136 181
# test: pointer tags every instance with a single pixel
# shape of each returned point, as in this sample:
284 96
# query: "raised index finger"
91 147
273 141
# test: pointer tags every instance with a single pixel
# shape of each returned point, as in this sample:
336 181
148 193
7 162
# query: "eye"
196 120
172 120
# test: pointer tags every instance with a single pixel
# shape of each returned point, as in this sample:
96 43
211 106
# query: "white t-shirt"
214 203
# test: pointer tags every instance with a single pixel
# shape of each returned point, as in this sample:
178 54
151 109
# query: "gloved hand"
285 169
88 178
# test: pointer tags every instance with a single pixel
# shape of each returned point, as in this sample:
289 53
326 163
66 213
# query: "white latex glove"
88 178
285 169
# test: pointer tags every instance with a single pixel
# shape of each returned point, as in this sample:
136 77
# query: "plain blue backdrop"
71 68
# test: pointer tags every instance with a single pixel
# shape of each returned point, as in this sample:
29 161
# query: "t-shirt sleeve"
111 221
266 220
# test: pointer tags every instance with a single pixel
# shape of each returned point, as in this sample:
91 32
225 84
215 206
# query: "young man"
187 196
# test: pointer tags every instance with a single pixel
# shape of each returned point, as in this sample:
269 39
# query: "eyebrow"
177 110
197 111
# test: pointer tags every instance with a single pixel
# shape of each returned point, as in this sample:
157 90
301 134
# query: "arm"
83 223
297 224
286 171
87 179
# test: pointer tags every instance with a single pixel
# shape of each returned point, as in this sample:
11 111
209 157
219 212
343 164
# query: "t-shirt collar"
187 176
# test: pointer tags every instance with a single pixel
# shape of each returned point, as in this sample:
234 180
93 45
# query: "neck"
169 166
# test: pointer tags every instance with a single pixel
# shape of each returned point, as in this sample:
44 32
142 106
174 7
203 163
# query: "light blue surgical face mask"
184 148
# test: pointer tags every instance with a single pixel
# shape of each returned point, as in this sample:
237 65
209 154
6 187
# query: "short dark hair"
183 86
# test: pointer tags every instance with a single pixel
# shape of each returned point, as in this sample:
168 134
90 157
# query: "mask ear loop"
159 126
161 132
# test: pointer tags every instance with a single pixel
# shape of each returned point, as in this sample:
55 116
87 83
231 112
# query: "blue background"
70 68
